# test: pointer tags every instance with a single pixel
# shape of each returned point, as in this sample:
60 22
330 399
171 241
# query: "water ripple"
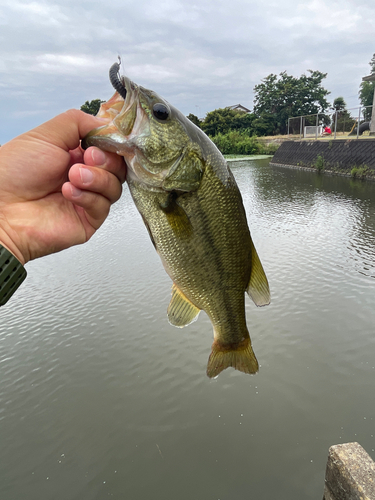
99 394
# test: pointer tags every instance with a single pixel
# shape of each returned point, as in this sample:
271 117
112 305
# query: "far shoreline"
246 157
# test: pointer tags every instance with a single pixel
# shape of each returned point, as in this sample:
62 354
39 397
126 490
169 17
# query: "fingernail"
86 175
75 191
98 157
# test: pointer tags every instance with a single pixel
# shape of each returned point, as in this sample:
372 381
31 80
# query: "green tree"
264 125
339 104
221 121
91 107
218 121
194 119
345 121
243 122
280 97
366 91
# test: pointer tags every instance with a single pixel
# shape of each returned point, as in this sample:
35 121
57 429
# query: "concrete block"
350 473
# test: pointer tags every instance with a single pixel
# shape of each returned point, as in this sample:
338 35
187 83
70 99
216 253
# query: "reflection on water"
100 397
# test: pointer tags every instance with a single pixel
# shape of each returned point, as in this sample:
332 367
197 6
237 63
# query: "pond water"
101 398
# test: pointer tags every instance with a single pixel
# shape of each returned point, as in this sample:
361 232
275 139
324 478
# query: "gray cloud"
200 55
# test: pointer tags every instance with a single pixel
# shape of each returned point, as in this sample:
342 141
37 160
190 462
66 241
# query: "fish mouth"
120 111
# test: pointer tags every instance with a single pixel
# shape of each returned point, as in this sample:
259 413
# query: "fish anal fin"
258 288
239 356
181 312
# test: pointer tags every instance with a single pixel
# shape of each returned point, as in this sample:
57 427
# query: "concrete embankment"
350 473
338 156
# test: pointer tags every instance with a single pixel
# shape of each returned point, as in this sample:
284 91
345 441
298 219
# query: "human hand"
52 194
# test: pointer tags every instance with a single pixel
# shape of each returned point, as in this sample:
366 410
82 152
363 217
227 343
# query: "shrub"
319 163
236 142
359 172
269 149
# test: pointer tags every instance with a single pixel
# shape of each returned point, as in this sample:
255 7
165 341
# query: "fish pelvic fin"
239 356
258 288
181 311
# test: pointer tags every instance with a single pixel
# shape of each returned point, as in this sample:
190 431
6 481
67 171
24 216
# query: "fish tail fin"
240 356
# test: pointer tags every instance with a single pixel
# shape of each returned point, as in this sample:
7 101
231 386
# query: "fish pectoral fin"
176 216
239 356
258 288
181 311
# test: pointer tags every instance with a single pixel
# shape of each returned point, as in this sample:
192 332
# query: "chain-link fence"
339 124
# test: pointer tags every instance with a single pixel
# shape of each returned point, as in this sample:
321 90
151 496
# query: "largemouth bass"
193 210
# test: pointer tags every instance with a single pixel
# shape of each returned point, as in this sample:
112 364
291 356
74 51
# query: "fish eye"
161 111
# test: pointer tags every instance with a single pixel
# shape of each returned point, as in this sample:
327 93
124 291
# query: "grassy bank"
240 143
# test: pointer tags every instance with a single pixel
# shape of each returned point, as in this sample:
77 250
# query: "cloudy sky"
198 54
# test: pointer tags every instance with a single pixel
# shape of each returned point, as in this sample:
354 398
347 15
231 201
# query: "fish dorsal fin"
258 288
181 311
